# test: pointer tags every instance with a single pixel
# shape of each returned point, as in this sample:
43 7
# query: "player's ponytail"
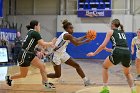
28 27
32 25
122 28
117 24
66 23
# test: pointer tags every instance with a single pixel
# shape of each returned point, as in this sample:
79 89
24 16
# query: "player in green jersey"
27 55
120 53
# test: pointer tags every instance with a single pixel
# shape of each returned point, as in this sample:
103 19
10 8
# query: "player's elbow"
41 42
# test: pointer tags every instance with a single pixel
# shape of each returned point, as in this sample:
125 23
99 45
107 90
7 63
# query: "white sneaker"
49 85
88 83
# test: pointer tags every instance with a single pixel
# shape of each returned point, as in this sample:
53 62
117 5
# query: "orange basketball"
91 34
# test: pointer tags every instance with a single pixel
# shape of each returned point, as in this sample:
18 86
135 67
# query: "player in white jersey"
136 42
61 56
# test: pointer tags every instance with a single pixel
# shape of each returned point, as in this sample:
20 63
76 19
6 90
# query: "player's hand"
88 40
52 45
91 54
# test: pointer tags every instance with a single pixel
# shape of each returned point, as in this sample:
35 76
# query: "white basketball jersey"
136 42
62 43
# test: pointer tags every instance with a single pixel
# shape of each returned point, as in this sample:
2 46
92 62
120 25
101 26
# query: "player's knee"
126 73
104 67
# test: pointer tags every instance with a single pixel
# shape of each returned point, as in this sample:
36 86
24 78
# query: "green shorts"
122 56
25 58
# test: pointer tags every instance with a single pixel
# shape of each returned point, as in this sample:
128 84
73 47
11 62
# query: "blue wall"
81 51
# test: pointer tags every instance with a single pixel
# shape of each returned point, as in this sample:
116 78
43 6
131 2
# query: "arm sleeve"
36 35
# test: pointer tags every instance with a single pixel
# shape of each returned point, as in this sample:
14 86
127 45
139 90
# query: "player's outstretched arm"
47 44
74 40
103 45
81 38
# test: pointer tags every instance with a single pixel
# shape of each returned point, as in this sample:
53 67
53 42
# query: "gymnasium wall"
48 24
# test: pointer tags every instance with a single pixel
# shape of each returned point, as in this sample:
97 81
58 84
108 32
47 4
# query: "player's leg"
79 70
129 78
37 63
57 74
56 65
22 74
106 65
126 62
24 63
137 63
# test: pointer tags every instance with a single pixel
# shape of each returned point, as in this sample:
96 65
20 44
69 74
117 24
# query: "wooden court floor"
69 82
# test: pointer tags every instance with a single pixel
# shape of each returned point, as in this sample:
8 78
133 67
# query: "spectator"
18 46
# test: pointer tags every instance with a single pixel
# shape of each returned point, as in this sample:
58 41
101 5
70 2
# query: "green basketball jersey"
31 40
118 38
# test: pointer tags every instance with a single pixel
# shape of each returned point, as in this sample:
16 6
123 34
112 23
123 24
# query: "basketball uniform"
60 55
27 54
121 51
136 41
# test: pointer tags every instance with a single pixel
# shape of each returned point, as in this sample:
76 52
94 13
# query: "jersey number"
122 36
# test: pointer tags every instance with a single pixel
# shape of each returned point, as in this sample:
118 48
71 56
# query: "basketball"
91 34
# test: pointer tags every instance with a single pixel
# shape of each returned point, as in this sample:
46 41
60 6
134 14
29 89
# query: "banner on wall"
7 34
1 8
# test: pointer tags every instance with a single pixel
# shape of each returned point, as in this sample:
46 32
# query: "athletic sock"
85 79
44 82
10 77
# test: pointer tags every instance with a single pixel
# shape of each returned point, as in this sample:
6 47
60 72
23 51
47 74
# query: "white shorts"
59 58
138 55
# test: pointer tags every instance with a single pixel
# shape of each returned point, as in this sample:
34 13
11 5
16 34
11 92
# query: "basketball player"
61 56
119 54
27 55
136 42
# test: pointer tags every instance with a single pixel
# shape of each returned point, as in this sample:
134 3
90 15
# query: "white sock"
105 84
85 79
10 77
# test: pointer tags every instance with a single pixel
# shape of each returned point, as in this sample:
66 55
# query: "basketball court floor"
69 82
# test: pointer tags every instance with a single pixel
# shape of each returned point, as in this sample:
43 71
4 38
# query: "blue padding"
81 51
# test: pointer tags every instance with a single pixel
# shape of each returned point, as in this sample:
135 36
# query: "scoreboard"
101 8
